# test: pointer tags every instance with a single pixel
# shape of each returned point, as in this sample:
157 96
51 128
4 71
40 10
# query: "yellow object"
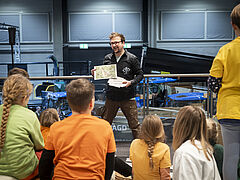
165 72
35 89
226 65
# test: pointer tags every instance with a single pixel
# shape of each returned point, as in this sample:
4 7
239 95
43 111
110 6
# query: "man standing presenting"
128 67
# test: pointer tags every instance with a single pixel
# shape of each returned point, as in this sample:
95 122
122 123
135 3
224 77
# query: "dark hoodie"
128 67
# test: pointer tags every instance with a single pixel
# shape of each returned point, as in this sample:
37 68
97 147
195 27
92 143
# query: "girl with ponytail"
20 134
150 155
193 156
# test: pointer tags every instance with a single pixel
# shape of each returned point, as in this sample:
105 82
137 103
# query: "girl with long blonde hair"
20 134
193 157
150 155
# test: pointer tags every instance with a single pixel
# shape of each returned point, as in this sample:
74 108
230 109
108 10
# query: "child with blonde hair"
150 155
47 118
193 157
20 134
213 138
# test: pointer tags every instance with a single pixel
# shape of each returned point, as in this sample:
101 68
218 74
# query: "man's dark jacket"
128 67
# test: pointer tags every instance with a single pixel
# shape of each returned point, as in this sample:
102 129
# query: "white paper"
105 72
118 82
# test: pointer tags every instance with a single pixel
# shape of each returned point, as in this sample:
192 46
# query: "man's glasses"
114 43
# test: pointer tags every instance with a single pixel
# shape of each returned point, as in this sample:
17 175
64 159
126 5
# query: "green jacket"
23 137
218 155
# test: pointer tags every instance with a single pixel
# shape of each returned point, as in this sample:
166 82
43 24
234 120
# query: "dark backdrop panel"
22 66
176 62
95 55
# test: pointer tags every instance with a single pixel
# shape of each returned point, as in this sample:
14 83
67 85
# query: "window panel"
128 24
35 27
219 26
183 25
90 27
10 20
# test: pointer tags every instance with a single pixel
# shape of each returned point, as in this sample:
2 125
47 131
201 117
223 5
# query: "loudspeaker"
11 33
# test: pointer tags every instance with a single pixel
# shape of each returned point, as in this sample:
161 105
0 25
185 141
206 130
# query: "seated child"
20 130
214 140
217 148
193 157
81 146
150 155
47 118
21 71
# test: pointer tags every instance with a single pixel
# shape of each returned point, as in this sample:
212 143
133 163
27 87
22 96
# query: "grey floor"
123 150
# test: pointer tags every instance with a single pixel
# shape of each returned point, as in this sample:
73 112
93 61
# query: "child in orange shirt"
81 146
47 118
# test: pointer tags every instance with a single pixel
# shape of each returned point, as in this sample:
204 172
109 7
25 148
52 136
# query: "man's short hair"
235 16
18 71
115 34
79 94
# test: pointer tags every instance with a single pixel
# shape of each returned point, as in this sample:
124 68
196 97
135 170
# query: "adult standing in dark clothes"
128 67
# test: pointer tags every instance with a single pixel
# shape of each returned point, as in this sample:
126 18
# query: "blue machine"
157 80
153 88
193 96
56 100
181 99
